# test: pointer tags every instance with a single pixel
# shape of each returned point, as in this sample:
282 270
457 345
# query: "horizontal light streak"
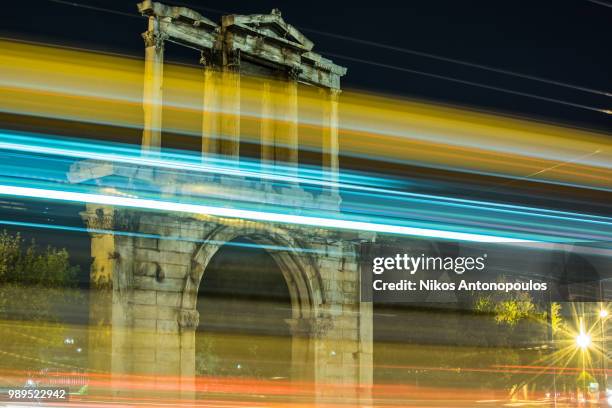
178 207
133 157
37 162
366 184
58 83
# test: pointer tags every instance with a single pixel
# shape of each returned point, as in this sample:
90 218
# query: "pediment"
272 26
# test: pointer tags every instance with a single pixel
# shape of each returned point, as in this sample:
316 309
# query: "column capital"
152 38
188 319
102 218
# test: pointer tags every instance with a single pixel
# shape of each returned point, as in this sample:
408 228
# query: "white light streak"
246 214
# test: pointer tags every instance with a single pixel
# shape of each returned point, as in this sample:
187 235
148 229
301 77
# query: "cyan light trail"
370 203
559 226
327 220
536 246
178 207
175 161
366 185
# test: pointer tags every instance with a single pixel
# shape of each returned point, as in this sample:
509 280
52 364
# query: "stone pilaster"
230 102
153 83
210 112
267 124
330 144
286 125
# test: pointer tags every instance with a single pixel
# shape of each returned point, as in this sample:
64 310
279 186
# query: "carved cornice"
115 220
265 38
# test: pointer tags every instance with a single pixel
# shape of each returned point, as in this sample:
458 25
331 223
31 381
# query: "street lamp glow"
603 313
583 340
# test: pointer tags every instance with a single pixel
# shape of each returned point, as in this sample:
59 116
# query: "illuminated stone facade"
146 282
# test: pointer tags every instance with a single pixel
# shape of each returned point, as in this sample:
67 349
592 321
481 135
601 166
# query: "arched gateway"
145 304
146 272
299 268
300 271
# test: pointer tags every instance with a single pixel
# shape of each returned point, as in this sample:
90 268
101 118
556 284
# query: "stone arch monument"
147 265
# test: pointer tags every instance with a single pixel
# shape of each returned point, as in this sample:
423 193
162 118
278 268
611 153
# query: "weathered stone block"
348 309
167 341
349 287
174 271
350 334
351 266
144 297
167 285
192 231
145 324
171 369
330 264
350 297
145 269
172 299
143 355
146 243
149 255
167 326
148 228
168 356
349 276
167 313
144 311
174 245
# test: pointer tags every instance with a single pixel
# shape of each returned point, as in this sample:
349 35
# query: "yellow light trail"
87 87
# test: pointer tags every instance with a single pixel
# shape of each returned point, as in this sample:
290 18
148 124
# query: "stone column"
334 366
286 132
153 82
230 118
330 145
188 324
366 352
302 356
210 113
100 342
266 125
122 329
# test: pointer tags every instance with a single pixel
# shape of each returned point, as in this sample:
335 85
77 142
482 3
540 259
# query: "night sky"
566 41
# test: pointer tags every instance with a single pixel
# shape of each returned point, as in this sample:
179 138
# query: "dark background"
566 41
